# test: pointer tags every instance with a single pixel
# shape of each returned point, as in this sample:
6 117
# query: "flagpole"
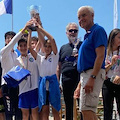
115 21
12 15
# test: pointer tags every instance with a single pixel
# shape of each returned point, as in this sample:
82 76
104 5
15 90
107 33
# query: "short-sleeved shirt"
68 69
31 82
47 66
93 39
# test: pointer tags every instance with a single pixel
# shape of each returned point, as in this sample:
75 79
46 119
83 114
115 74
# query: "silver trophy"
75 43
33 10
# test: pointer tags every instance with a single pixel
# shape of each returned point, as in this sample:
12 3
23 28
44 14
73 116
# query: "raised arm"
53 44
33 52
14 40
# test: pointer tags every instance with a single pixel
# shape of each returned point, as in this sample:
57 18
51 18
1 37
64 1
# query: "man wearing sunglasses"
67 66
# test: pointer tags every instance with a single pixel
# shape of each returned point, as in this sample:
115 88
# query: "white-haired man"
67 66
91 63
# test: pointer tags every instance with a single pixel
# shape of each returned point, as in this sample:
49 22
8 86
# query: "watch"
93 76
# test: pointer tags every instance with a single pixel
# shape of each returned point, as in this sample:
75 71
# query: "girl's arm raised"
33 52
53 43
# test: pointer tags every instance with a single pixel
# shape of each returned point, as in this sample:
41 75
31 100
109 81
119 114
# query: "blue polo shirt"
94 38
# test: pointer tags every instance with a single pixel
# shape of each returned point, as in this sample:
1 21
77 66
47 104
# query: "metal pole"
12 15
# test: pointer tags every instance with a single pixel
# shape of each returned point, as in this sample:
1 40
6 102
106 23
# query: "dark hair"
24 35
34 38
46 41
22 40
111 37
10 33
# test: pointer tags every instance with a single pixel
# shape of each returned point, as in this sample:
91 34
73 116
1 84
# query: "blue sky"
55 15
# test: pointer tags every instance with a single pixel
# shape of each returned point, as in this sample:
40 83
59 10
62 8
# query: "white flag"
115 14
6 7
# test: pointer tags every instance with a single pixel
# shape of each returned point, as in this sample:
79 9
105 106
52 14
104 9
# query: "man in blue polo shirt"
91 63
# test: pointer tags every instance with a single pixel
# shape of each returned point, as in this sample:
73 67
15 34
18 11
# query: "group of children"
41 87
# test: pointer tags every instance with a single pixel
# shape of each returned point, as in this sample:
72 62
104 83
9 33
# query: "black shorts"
10 98
2 108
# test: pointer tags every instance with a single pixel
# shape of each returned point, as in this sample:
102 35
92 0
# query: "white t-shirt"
47 67
8 57
115 69
32 81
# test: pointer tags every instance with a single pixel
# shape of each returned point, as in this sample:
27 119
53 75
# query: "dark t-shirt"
68 66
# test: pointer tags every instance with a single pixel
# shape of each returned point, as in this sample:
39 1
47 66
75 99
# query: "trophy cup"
75 43
75 50
33 10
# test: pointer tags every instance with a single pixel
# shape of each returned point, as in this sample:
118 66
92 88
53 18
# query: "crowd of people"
84 67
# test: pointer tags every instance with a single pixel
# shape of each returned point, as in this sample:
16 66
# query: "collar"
47 56
23 57
92 28
89 31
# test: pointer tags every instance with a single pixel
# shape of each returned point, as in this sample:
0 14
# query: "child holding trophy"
49 92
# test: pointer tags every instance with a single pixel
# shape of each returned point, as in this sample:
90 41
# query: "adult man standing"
91 63
67 66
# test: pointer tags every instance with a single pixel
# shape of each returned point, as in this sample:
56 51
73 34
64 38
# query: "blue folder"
15 76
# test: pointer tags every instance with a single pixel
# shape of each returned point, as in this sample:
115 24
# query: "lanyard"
26 67
23 64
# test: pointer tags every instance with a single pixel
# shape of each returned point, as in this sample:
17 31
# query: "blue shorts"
28 99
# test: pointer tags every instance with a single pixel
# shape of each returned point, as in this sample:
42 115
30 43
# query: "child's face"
33 44
22 47
47 48
8 39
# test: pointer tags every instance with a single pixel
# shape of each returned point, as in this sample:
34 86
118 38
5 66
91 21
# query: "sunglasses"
71 30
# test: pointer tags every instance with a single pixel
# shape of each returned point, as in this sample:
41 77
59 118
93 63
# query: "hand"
114 59
39 27
29 23
76 55
116 80
60 88
77 93
37 17
89 85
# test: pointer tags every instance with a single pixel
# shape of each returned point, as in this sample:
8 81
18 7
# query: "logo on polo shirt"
50 59
31 59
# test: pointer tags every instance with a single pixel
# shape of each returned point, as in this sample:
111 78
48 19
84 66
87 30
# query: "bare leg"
40 115
89 115
2 116
25 114
45 112
55 114
35 115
